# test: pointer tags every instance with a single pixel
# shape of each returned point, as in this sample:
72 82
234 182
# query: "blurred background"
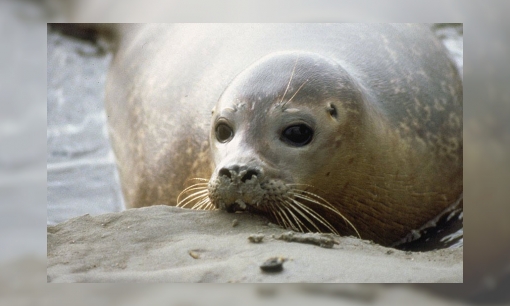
30 74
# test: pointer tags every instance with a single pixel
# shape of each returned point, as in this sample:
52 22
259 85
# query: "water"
82 177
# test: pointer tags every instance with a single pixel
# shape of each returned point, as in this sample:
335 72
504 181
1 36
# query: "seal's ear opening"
332 111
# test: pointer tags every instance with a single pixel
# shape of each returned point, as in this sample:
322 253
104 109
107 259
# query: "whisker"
194 199
296 92
191 197
199 204
299 209
307 185
204 201
314 215
290 80
275 217
196 185
297 221
285 224
326 205
209 206
292 225
290 206
313 195
191 188
197 179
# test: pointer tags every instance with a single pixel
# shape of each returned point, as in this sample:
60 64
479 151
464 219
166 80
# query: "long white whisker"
195 199
326 205
290 79
197 179
191 197
307 185
209 206
191 188
296 92
298 207
291 206
313 195
292 225
275 217
316 216
282 219
202 202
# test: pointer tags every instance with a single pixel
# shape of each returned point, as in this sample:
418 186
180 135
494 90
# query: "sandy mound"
168 244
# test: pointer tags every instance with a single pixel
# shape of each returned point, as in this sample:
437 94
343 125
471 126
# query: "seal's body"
354 129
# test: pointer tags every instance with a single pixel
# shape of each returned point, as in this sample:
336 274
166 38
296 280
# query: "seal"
344 128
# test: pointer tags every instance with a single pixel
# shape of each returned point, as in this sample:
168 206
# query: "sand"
169 244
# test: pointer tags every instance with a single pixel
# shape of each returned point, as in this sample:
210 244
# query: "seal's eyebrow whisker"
296 92
290 79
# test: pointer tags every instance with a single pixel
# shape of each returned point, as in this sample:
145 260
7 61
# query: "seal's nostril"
236 173
249 175
225 172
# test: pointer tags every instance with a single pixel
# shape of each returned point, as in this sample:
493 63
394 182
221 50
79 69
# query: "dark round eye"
223 132
297 135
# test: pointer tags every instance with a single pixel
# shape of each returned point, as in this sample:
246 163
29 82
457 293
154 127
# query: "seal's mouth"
241 206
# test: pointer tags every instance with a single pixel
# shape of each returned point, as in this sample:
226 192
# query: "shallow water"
82 177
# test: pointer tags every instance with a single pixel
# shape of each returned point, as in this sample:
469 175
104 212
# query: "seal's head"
277 132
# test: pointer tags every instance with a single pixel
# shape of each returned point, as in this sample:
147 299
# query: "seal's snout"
236 187
239 173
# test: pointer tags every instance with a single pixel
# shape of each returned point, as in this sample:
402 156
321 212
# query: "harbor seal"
345 128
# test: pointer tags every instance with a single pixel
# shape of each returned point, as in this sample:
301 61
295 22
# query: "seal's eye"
297 135
223 132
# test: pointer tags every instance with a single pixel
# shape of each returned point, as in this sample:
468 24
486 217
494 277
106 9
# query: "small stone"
194 254
273 264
